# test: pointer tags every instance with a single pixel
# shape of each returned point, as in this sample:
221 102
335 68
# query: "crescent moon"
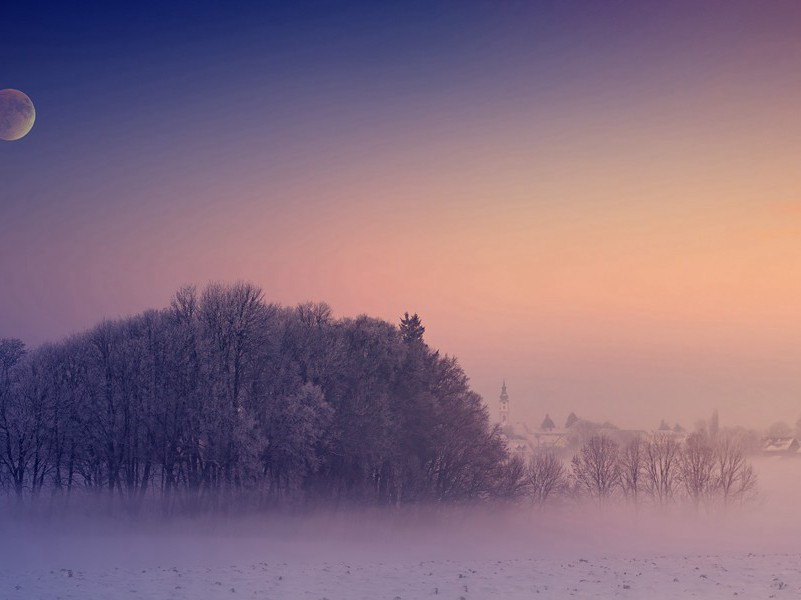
17 115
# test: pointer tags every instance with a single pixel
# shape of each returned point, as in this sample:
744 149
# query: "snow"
780 444
747 576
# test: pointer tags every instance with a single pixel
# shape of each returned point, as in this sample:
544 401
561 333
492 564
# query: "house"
517 437
780 446
551 440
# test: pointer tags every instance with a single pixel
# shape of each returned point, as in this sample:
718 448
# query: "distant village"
525 440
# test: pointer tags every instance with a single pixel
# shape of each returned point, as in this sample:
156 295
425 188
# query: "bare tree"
696 466
546 476
16 418
661 467
513 480
596 468
735 477
632 467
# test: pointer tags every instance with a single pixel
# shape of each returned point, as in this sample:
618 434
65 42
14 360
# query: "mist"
324 545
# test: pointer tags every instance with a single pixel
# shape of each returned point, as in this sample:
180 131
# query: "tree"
293 435
696 467
513 479
412 328
223 397
596 468
11 352
467 449
632 464
779 429
547 423
661 457
16 436
735 477
572 419
546 476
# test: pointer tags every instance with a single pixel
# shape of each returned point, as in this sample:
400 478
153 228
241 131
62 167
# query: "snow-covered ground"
579 553
749 576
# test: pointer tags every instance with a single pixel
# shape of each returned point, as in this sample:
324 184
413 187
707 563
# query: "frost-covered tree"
547 477
16 417
223 397
661 467
734 475
632 466
596 468
696 467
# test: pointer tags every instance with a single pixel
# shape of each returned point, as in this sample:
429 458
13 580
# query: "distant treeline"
659 469
225 396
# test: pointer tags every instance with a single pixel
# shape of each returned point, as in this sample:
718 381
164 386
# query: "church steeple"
504 405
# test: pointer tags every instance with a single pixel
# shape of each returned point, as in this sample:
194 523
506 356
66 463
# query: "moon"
17 115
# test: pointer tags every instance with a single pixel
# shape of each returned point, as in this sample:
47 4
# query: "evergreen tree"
412 328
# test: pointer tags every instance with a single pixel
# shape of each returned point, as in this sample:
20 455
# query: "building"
781 446
504 408
524 442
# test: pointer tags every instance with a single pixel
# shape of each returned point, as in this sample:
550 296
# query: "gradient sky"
598 201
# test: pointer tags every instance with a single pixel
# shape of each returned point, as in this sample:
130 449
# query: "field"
748 576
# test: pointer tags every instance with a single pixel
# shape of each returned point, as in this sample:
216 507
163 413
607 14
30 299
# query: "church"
525 441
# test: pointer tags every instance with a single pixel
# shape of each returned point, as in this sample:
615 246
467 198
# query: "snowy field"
751 576
751 553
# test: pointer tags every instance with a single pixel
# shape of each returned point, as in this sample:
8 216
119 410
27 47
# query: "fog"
772 524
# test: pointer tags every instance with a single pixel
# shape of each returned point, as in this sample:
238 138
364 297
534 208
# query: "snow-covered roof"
517 429
780 444
676 435
552 440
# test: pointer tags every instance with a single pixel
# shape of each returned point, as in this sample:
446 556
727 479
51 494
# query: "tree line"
223 397
704 469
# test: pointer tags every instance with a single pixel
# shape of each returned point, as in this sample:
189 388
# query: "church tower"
504 406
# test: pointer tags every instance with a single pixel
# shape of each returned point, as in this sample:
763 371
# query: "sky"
597 202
